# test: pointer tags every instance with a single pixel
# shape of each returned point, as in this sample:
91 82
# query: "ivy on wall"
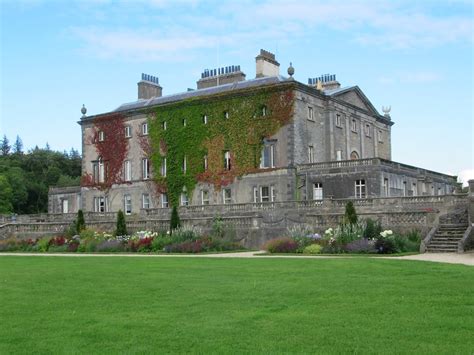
112 150
236 124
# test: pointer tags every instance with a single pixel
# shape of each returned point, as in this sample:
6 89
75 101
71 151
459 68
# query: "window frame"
360 188
318 187
271 163
164 201
127 204
227 160
145 128
205 200
338 120
146 169
310 113
226 200
127 170
354 125
146 205
311 158
128 131
163 167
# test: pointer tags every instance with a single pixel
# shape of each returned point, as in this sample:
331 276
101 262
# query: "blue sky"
416 56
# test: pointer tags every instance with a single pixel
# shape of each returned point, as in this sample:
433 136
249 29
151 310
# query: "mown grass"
205 305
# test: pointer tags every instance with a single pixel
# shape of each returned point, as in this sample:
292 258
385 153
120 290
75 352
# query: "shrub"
174 222
43 244
313 249
109 246
144 245
159 242
8 245
386 245
121 228
363 246
81 223
57 241
350 215
185 233
87 234
281 245
54 248
372 229
71 230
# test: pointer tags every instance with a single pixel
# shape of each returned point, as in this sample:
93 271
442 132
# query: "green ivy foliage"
252 116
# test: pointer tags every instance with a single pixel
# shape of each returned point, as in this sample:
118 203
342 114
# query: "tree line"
25 177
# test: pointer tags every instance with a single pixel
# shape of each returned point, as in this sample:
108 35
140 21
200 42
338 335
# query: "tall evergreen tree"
5 147
18 146
121 225
175 222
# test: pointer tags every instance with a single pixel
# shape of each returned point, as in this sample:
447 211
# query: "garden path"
451 258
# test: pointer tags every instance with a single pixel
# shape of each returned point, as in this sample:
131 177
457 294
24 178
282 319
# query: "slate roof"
202 92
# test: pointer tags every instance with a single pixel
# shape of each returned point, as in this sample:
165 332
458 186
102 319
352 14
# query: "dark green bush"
372 229
175 222
121 225
81 223
350 215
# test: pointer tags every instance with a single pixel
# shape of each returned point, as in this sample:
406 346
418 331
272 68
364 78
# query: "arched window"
354 155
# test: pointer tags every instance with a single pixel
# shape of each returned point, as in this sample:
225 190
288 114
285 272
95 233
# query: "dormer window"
128 132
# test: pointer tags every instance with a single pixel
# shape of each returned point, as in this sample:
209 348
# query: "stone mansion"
234 140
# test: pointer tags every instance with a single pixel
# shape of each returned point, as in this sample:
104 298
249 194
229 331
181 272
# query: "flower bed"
365 237
182 240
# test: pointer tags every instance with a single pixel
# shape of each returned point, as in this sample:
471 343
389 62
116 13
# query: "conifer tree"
5 147
81 223
175 222
121 225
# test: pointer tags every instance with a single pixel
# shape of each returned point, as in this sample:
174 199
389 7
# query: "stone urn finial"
291 70
83 110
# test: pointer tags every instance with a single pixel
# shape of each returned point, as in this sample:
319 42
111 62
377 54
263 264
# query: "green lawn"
137 305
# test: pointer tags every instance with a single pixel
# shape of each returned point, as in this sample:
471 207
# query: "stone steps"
446 238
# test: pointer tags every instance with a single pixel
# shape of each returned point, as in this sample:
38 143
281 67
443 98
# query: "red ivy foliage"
113 150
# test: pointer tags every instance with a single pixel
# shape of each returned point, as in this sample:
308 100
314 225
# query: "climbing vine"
108 137
208 127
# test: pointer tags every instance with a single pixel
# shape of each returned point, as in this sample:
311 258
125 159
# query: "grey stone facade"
336 138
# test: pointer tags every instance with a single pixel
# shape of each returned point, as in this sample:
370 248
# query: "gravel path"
451 258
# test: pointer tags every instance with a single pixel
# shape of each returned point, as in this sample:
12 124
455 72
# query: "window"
414 188
227 162
98 171
338 120
367 130
164 200
101 136
310 154
386 190
226 114
163 167
127 204
185 165
163 125
184 122
380 136
204 119
338 155
184 199
264 110
267 160
354 125
65 206
205 163
145 201
310 113
405 189
227 196
354 155
128 131
264 194
145 168
204 197
317 191
145 128
127 170
100 204
360 191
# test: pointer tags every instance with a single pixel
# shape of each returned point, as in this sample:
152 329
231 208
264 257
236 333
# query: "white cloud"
383 24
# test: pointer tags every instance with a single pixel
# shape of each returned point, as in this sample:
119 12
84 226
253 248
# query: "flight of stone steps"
446 238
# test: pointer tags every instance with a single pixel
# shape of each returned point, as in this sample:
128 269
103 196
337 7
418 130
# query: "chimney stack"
266 64
220 76
149 87
327 82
